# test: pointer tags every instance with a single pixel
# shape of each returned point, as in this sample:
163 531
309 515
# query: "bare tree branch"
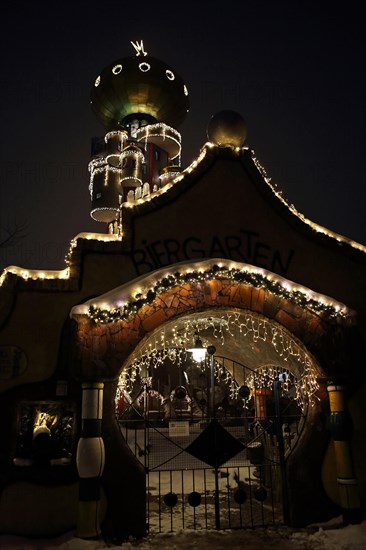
11 234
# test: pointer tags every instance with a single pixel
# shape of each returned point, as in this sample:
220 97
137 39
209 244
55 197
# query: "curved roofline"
208 155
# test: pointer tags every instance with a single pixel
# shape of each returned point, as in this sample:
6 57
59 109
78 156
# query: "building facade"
98 378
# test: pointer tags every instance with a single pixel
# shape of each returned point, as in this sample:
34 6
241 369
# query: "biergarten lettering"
246 247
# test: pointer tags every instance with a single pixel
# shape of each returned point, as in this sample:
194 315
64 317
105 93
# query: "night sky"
294 70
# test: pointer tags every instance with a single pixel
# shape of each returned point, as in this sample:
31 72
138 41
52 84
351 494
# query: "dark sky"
294 70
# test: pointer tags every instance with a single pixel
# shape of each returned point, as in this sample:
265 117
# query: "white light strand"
316 227
173 344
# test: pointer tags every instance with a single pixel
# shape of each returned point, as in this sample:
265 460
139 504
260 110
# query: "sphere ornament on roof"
227 128
140 86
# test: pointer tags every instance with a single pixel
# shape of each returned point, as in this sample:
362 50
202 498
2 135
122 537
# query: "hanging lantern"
198 351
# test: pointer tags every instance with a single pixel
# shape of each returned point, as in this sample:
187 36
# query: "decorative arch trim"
112 325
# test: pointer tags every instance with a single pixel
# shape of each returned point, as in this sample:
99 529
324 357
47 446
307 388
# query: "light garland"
99 167
238 150
132 151
170 75
316 227
134 178
97 81
98 163
246 275
105 209
160 130
101 237
113 156
34 274
179 177
167 176
62 274
173 343
113 133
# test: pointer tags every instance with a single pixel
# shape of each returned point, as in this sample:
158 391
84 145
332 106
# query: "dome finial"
227 128
139 47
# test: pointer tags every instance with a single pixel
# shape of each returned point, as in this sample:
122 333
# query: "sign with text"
244 246
178 428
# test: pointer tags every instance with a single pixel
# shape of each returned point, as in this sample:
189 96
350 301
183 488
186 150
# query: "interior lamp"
198 351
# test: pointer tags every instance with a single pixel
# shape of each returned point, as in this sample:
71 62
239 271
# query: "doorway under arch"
284 325
257 386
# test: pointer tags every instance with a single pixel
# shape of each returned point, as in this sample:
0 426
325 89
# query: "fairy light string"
236 276
171 343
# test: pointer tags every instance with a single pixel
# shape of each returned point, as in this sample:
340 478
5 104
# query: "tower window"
157 154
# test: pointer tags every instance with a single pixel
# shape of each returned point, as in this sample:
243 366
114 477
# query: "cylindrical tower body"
165 137
131 166
162 144
140 101
105 189
115 142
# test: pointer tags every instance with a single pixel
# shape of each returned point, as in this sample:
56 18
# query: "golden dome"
140 85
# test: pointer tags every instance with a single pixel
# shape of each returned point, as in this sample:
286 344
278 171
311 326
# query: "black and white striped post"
90 461
340 427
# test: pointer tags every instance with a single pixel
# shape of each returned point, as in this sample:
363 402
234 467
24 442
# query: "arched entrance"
267 326
214 435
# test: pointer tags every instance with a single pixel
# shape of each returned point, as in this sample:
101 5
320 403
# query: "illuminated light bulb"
117 69
198 351
144 67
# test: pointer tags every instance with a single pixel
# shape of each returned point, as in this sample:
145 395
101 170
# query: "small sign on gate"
178 428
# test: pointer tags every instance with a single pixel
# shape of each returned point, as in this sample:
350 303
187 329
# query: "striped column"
90 461
260 402
340 425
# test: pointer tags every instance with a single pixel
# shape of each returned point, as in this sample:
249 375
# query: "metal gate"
211 461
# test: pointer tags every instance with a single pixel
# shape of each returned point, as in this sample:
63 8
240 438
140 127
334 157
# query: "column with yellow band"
90 461
340 427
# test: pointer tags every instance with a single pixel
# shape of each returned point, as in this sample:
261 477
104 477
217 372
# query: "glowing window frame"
117 69
147 65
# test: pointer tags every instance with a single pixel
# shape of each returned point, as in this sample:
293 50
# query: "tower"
140 101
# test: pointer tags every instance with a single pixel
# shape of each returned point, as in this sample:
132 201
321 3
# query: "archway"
286 324
166 401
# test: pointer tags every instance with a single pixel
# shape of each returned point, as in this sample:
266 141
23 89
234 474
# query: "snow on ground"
326 537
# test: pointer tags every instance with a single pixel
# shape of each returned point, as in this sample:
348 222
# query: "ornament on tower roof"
139 47
140 101
139 87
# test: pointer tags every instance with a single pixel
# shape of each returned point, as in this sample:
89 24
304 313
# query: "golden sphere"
227 128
